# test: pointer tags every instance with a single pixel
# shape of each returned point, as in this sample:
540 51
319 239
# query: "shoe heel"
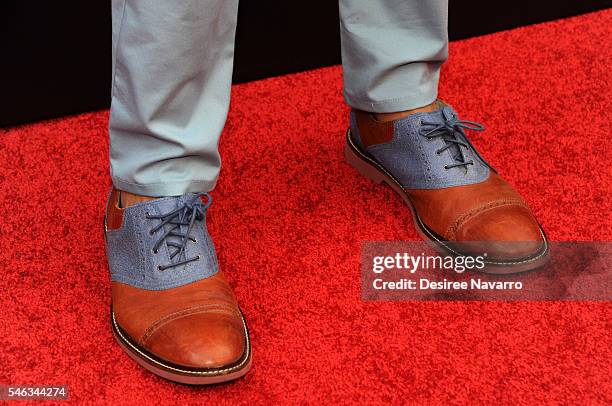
363 167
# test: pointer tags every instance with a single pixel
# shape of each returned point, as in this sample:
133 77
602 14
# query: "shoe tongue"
455 151
168 205
448 114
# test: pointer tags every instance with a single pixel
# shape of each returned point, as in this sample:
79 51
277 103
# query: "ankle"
385 117
127 199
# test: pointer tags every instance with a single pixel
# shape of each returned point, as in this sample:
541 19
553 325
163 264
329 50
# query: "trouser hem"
165 188
393 105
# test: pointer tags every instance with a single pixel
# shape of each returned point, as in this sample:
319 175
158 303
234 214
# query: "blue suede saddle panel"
412 159
130 249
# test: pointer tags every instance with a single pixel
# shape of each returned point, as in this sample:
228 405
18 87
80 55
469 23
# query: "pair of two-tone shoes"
175 314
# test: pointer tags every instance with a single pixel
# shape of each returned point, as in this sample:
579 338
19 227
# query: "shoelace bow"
452 131
184 216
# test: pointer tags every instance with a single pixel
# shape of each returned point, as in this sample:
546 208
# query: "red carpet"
288 219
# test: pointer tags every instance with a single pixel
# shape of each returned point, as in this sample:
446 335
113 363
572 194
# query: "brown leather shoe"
172 310
458 201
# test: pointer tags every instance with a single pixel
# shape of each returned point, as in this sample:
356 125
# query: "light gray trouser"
172 71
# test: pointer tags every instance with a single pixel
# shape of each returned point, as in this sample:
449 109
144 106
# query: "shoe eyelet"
445 168
194 241
198 258
159 268
154 251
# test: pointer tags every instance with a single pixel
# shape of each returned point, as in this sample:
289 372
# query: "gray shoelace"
452 131
173 223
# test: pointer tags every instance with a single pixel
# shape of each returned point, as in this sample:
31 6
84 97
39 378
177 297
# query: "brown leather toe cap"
197 325
208 339
506 232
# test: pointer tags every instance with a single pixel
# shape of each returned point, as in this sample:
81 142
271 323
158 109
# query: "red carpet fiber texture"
288 218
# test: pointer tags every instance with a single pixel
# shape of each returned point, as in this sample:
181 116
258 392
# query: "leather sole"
181 374
372 170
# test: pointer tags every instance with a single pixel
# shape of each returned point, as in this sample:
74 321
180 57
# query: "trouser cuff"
393 105
165 188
